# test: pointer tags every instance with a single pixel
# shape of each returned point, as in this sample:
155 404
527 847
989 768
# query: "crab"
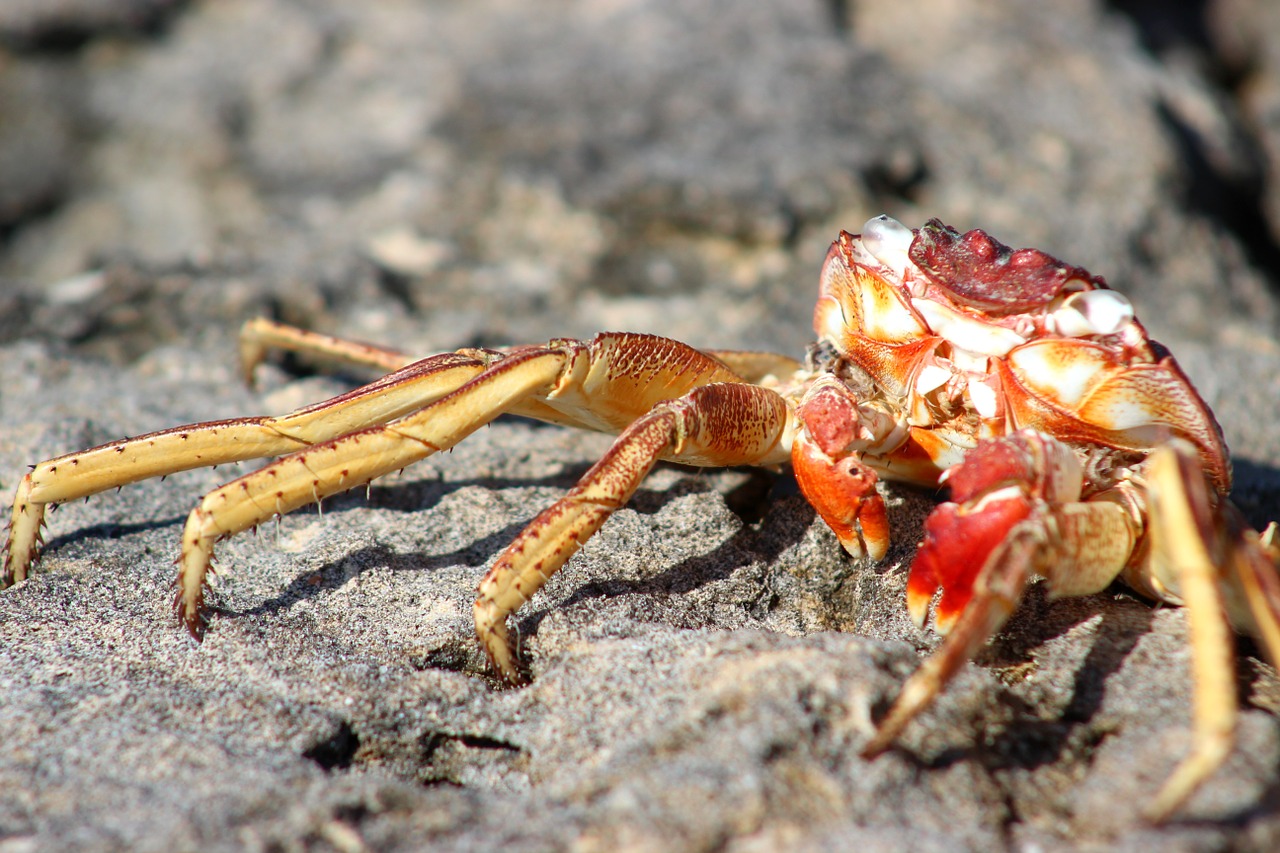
1073 446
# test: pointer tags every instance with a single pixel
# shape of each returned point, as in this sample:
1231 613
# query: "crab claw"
1000 484
1017 512
832 478
958 542
843 491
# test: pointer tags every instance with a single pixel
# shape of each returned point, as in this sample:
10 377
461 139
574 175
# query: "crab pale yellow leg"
755 366
604 384
722 424
1254 564
259 335
78 475
1202 552
352 459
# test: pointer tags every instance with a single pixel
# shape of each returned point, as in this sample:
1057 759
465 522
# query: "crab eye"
888 240
1092 312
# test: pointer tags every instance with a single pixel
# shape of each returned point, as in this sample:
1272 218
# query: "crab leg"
259 335
604 384
352 459
1016 514
78 475
755 366
722 424
996 593
1202 551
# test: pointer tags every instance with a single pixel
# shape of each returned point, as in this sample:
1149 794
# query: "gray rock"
705 670
59 24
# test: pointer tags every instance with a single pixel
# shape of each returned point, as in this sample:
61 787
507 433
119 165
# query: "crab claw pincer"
832 477
1001 484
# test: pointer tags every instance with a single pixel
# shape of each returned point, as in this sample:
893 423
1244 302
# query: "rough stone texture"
436 175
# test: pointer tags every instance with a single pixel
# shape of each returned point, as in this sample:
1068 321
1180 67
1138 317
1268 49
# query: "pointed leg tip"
193 619
196 624
494 640
503 666
1157 815
1191 775
877 746
515 678
1166 803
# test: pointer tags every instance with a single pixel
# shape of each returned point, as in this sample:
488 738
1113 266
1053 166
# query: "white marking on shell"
1092 312
888 240
1004 493
970 362
1064 380
885 315
967 333
833 321
931 378
983 397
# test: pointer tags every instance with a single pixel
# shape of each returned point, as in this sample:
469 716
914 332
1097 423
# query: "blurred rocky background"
431 175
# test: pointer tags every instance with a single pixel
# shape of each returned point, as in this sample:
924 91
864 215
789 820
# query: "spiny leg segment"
721 425
1224 576
416 410
118 463
260 335
603 384
351 459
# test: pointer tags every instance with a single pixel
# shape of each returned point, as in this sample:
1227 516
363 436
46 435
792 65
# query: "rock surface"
433 175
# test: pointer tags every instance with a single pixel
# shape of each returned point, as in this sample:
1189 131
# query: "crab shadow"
110 530
425 495
761 539
1256 492
774 519
1030 741
412 496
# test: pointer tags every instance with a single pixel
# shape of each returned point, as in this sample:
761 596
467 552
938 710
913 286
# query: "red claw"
832 478
1000 484
990 465
958 541
843 491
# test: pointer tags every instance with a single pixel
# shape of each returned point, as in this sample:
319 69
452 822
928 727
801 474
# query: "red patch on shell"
978 270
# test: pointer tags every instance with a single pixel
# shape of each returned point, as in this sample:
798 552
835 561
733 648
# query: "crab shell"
969 339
